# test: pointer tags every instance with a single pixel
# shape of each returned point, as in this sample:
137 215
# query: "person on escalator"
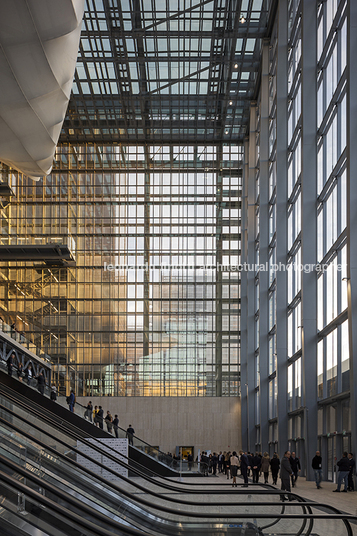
109 422
115 425
10 364
41 382
53 395
71 400
95 416
28 374
130 434
20 371
100 419
88 414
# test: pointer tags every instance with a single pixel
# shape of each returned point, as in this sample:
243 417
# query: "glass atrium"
203 182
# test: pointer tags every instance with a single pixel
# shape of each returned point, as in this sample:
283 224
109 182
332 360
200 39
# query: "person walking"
233 463
285 475
244 466
204 463
115 425
214 461
224 462
343 470
220 462
190 461
317 467
265 464
296 468
227 464
130 434
275 466
351 484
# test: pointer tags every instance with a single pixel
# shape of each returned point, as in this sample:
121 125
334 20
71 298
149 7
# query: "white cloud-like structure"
39 42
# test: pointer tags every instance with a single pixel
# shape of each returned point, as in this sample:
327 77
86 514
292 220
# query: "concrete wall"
204 423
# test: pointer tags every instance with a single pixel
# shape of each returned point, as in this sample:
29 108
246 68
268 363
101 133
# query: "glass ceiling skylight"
173 70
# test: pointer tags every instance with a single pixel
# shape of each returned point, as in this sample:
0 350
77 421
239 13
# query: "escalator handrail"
81 521
302 501
59 395
70 430
63 496
133 497
255 492
51 414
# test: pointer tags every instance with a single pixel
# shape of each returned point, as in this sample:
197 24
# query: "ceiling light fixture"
242 20
236 65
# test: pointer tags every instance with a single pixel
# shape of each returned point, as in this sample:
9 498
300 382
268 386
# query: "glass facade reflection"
150 307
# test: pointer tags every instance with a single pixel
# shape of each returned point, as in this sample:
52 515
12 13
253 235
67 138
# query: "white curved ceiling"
38 50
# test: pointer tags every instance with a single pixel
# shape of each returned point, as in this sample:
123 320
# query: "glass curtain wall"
310 304
333 341
151 305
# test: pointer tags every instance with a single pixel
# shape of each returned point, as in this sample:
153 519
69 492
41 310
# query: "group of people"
254 465
96 415
26 373
346 470
289 466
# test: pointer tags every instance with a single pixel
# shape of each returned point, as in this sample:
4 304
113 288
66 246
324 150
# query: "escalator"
25 511
155 462
46 464
68 485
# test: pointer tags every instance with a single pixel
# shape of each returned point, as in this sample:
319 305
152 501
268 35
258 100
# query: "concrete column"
309 229
281 226
351 209
264 249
